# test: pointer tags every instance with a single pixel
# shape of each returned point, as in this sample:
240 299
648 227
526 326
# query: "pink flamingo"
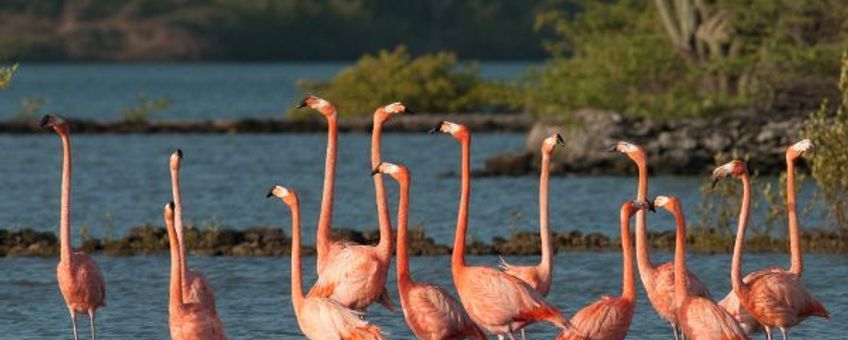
699 317
195 286
80 280
774 297
539 276
430 311
657 280
319 317
187 320
355 275
610 317
497 302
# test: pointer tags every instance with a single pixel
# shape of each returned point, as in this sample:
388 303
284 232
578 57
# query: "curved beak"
612 148
436 128
270 193
560 140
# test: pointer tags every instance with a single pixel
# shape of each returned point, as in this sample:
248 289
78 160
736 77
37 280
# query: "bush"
144 109
6 74
428 83
828 129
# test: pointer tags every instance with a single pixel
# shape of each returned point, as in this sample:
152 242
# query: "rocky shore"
675 146
417 123
267 241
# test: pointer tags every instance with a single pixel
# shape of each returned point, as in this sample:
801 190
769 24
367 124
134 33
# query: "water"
253 294
208 90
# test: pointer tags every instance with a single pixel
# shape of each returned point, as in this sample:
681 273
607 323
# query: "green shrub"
6 74
428 83
828 129
144 108
31 108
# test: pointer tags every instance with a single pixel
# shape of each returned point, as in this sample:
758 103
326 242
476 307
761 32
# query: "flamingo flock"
499 300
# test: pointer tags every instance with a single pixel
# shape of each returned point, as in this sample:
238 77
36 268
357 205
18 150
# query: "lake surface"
196 91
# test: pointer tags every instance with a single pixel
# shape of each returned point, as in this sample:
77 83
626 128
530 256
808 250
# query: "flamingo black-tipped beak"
613 148
408 110
171 205
436 128
270 193
46 122
180 153
715 182
302 104
375 171
560 141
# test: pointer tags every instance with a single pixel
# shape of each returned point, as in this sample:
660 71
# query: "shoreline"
269 241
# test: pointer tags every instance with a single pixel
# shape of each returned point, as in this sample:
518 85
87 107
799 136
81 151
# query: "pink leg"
74 322
91 320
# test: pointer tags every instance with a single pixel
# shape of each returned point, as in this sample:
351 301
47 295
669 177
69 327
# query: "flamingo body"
780 299
660 290
606 319
432 313
532 275
355 278
199 289
81 283
322 318
193 321
703 319
732 305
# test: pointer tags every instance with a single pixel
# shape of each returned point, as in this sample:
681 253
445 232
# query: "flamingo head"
734 168
669 203
289 197
397 171
54 122
319 104
168 214
176 157
798 149
631 207
633 151
458 131
387 112
550 143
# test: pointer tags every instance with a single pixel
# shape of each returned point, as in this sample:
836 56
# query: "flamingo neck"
178 222
458 256
643 257
296 279
326 215
739 245
546 265
65 201
628 283
797 261
176 284
680 257
385 244
403 275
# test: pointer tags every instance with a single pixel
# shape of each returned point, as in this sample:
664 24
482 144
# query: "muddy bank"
417 123
267 241
683 146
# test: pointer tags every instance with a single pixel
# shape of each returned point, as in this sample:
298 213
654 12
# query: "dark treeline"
132 30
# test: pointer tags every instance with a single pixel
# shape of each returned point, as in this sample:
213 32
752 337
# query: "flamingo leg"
74 323
523 335
500 337
784 332
676 331
768 332
91 320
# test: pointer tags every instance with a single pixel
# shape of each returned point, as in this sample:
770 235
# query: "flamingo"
195 286
80 280
319 317
539 276
430 311
187 320
497 302
698 317
658 280
610 317
354 275
773 296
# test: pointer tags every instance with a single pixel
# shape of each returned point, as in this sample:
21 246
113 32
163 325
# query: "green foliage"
31 108
428 83
6 73
144 108
828 129
625 56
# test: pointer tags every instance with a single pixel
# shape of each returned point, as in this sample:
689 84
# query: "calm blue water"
207 90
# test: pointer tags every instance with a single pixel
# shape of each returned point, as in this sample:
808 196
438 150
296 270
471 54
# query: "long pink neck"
680 288
458 257
643 257
403 275
739 245
65 202
326 216
176 284
296 279
178 221
385 245
546 266
797 261
628 283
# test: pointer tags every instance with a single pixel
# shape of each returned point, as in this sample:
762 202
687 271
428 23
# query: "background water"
122 180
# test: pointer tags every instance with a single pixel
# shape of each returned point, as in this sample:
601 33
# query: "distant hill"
250 30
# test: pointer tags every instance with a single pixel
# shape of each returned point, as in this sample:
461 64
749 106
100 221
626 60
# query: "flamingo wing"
434 314
528 274
732 305
195 321
354 278
703 319
608 318
780 298
199 290
323 318
82 285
